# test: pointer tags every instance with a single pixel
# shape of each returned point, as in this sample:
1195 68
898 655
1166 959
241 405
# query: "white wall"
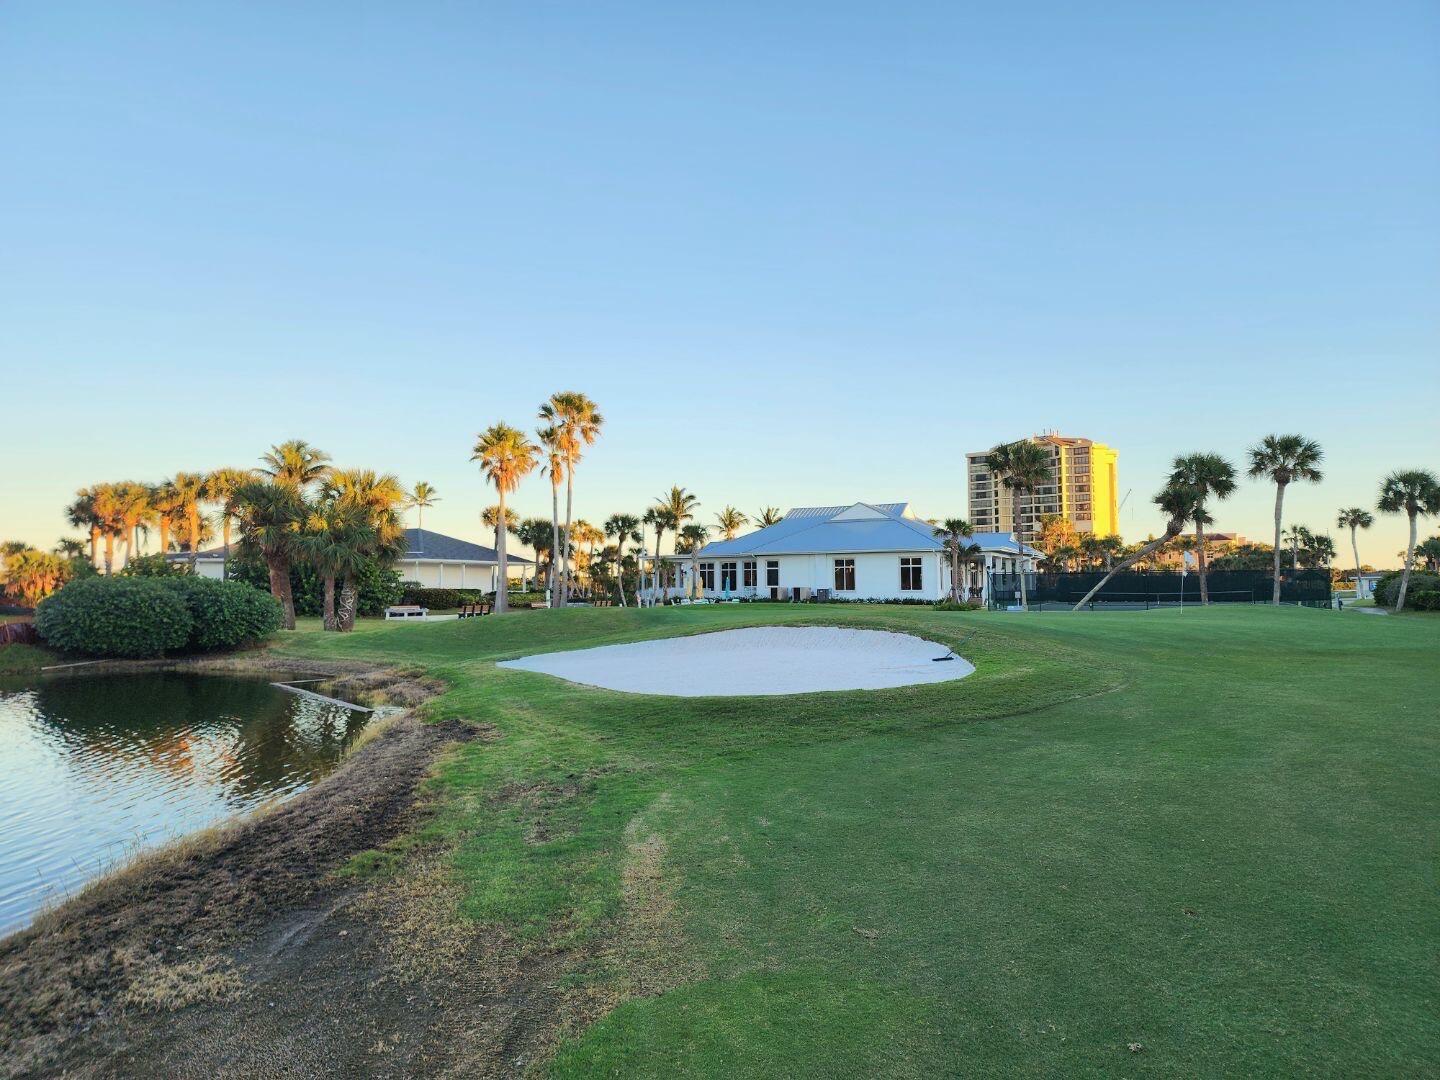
877 576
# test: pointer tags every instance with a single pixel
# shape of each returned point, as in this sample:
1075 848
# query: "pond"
96 768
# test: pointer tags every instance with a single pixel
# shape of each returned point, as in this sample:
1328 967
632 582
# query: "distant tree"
954 535
365 507
69 548
81 515
691 539
220 488
1209 476
1429 552
1023 468
506 457
731 521
578 422
1411 492
1179 503
189 492
1354 519
295 464
625 528
420 498
1284 459
30 575
166 504
768 516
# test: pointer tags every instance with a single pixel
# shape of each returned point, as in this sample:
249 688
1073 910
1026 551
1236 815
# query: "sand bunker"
755 660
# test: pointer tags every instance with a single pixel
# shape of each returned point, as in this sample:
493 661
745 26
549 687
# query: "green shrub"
115 616
1388 587
438 599
155 566
960 605
225 614
377 586
1426 600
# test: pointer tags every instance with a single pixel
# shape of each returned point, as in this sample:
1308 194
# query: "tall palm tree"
134 504
1285 459
536 534
768 516
81 515
1209 476
220 488
506 457
1411 492
108 505
588 535
731 521
579 421
189 492
1023 468
295 463
165 502
271 515
1178 501
954 534
1297 536
552 441
419 499
624 527
691 539
673 510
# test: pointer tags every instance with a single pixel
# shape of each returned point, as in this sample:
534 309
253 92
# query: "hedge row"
139 617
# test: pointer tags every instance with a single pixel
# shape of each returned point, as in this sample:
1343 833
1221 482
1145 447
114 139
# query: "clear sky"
799 253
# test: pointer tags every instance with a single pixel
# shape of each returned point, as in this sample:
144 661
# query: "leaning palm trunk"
1355 550
620 569
1405 574
1279 514
1172 530
345 614
1200 562
329 610
280 588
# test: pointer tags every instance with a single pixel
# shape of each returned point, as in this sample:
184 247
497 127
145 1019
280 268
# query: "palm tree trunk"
280 588
1409 558
329 611
955 574
225 531
1020 565
1200 563
502 587
1279 514
1355 550
345 616
554 582
569 547
164 524
1172 530
94 544
109 553
194 538
620 568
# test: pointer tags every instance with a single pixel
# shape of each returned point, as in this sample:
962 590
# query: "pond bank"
96 979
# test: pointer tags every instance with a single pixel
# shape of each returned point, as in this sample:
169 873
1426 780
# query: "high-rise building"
1083 489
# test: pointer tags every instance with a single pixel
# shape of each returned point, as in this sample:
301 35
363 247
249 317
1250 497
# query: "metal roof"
424 544
859 527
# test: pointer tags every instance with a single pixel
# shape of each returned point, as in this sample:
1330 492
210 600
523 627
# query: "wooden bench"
473 611
406 611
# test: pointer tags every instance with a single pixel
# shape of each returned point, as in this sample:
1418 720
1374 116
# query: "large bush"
377 585
1388 587
225 613
439 599
113 616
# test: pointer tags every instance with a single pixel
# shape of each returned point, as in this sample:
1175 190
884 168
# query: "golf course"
1169 843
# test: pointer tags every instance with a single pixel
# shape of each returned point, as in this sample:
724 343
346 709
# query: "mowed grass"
1163 843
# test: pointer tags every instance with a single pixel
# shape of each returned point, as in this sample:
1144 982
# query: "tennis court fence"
1145 589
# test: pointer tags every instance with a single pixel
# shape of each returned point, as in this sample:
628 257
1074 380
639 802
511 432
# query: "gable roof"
424 544
859 527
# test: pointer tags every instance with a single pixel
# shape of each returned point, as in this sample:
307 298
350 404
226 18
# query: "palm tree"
623 527
1411 492
672 510
536 534
133 501
166 504
335 541
271 515
189 491
579 421
220 488
954 534
588 535
506 457
490 516
1023 468
81 515
768 516
32 575
420 499
1429 551
70 548
731 521
295 464
691 539
1210 476
108 505
1284 459
1179 502
552 440
374 501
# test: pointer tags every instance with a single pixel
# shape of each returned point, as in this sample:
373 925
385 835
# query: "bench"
406 611
473 611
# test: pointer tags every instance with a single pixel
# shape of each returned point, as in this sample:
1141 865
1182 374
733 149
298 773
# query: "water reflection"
92 769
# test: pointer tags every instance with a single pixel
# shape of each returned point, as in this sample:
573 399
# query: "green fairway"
1178 843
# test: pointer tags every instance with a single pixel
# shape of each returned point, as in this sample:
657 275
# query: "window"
727 577
772 573
707 576
749 568
844 575
910 574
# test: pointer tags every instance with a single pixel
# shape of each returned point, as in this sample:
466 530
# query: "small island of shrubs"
146 617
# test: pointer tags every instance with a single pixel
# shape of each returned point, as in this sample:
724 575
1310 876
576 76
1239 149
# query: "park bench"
473 611
406 611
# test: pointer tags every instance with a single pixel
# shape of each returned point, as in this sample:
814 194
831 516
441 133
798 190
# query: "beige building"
1084 490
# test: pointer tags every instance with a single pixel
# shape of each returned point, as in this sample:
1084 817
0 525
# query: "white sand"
755 660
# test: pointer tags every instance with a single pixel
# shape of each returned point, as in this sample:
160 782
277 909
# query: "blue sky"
800 253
